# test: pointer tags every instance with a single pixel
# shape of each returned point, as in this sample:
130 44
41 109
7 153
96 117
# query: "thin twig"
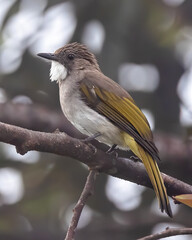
87 192
168 233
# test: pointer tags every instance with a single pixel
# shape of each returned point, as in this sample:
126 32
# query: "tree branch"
40 118
168 233
87 192
60 143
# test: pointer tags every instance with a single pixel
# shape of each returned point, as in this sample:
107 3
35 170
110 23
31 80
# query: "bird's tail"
153 173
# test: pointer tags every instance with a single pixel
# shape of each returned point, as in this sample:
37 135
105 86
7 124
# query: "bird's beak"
49 56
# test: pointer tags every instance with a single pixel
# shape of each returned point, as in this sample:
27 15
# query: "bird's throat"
57 72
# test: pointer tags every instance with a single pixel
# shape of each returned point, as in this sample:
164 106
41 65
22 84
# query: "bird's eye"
70 56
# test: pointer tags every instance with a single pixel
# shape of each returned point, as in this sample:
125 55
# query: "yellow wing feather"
129 110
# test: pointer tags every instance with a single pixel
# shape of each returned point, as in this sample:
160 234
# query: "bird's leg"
112 148
90 138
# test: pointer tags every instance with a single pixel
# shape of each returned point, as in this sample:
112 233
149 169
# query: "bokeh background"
146 46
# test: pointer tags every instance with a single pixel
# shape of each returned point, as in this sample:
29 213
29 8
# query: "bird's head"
71 57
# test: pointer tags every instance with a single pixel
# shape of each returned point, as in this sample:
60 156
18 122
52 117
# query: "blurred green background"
146 46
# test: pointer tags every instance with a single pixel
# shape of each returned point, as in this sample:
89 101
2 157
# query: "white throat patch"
57 71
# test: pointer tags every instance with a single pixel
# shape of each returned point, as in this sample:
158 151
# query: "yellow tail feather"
153 173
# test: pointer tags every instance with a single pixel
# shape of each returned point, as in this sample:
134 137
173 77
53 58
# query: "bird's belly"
89 122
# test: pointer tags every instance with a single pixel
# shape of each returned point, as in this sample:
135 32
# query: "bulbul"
99 107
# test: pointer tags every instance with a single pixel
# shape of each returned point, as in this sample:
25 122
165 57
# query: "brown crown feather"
80 51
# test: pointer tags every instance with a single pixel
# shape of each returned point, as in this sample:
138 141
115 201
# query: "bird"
100 108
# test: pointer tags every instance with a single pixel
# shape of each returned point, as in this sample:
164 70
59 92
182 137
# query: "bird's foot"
93 148
111 150
90 138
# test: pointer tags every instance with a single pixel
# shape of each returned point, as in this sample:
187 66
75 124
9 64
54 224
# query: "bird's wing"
112 101
116 104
